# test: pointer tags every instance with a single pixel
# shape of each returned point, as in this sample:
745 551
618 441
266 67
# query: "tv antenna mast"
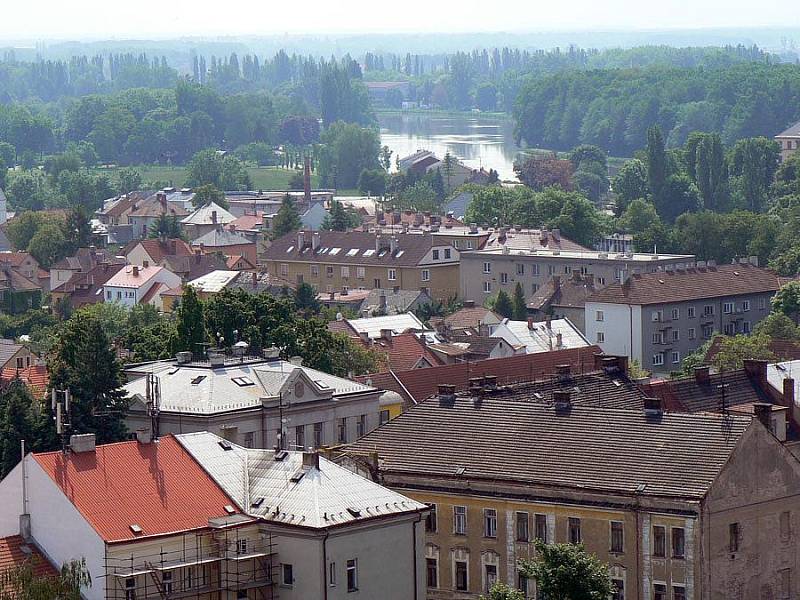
60 404
153 398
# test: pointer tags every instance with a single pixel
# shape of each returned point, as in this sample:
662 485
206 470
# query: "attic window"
461 470
354 511
280 455
369 252
297 476
399 253
229 509
136 529
352 252
257 502
289 249
334 251
242 381
382 253
198 379
173 371
225 445
321 384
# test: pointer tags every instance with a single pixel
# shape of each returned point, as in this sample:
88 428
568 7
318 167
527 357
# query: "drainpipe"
325 565
414 551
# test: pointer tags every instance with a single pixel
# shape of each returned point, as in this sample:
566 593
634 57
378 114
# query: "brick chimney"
562 400
446 393
214 217
307 181
386 334
530 323
788 392
756 370
702 375
135 271
763 412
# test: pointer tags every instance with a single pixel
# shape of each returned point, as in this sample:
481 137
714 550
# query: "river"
477 140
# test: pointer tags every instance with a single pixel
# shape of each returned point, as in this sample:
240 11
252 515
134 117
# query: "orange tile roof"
159 487
404 352
35 377
15 552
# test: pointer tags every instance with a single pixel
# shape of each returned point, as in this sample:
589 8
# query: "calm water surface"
477 140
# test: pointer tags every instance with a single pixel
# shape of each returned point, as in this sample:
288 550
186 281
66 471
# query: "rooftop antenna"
153 396
60 404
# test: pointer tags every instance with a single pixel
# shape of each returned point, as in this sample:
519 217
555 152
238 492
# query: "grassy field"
263 178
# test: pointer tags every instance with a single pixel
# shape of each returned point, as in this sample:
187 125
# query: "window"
534 269
574 530
119 295
108 295
659 591
287 574
487 287
447 254
762 303
690 312
491 577
678 542
657 338
392 274
522 527
489 523
520 269
676 357
657 316
678 592
241 546
733 537
676 335
601 280
345 272
692 333
460 520
658 359
376 283
786 525
318 440
540 522
785 583
534 288
315 270
20 362
130 588
745 305
487 267
462 582
727 308
469 244
746 327
352 575
708 310
360 272
249 439
617 537
551 270
361 426
329 271
435 255
166 581
433 572
503 278
601 337
430 519
659 541
618 592
599 316
676 313
384 417
708 331
567 269
425 275
522 584
343 430
284 269
332 574
729 328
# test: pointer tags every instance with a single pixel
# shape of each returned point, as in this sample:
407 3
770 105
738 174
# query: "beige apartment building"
789 141
335 261
680 506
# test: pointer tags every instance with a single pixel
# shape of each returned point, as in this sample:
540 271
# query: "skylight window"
353 511
198 379
289 249
399 253
242 381
136 529
334 251
297 476
382 253
229 509
320 384
280 455
352 252
369 252
257 502
225 445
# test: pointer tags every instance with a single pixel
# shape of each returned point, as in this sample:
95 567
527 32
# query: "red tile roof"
246 222
158 487
15 552
404 352
158 250
470 316
685 285
422 383
35 377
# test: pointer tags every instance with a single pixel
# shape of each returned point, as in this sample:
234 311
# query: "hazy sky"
106 19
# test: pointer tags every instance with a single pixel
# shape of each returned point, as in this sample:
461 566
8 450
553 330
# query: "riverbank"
443 113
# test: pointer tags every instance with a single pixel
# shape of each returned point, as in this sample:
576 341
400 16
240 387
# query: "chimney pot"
562 400
653 406
563 371
311 460
135 271
386 334
446 392
788 392
702 375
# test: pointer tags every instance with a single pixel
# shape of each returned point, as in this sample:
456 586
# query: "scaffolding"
221 563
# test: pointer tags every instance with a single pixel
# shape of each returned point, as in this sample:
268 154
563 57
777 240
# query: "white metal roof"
206 391
214 282
205 215
540 338
324 497
397 323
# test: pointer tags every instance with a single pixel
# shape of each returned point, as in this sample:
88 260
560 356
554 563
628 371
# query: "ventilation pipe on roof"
446 393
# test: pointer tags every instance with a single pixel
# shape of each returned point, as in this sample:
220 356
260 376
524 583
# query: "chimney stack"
446 393
763 412
756 369
562 400
702 375
315 241
382 301
563 372
386 334
530 323
788 392
135 271
301 240
84 442
307 181
653 406
214 217
311 459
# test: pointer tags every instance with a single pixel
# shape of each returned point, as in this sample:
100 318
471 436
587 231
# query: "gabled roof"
153 207
158 250
12 279
569 292
220 237
685 285
209 214
214 282
158 487
16 259
471 316
405 351
793 131
131 276
422 383
8 348
116 207
396 301
87 288
272 489
396 323
16 552
728 389
586 448
541 337
35 377
194 266
249 222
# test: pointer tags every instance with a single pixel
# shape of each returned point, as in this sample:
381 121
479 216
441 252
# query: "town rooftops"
791 132
214 282
132 276
472 317
685 285
156 205
599 256
200 389
355 247
373 326
405 351
580 446
221 237
557 334
87 287
128 490
15 552
158 249
294 488
209 214
569 292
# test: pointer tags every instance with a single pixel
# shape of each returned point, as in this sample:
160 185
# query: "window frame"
522 526
352 570
680 537
490 523
574 534
459 517
616 530
284 572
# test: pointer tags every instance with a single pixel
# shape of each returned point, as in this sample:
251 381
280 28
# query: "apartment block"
658 318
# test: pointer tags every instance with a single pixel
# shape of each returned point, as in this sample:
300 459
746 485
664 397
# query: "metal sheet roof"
540 338
397 323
